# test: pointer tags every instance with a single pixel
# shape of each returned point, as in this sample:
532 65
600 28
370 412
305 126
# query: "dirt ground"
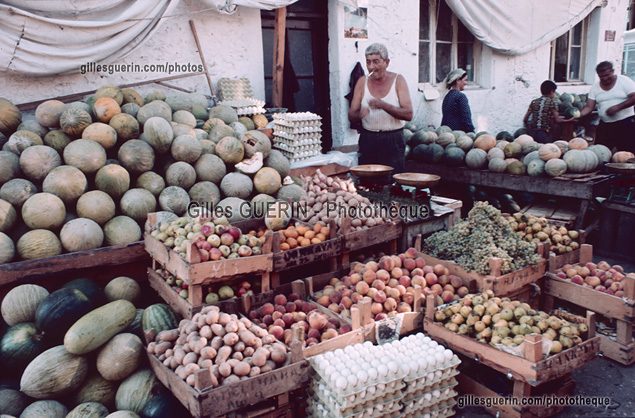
601 378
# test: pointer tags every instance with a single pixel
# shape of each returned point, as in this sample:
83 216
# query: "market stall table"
583 189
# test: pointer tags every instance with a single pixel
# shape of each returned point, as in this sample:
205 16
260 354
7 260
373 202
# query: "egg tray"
295 130
298 148
297 136
360 398
443 389
352 397
251 110
332 405
442 411
297 142
445 370
423 384
299 156
245 102
384 409
291 117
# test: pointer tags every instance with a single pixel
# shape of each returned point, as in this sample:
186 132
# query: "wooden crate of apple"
279 317
601 277
389 283
215 239
494 320
213 293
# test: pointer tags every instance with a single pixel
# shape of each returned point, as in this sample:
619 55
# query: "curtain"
515 27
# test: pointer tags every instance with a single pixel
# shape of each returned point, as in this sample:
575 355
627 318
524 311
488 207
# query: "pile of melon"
506 153
78 351
82 175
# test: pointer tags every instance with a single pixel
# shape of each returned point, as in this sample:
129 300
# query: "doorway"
307 49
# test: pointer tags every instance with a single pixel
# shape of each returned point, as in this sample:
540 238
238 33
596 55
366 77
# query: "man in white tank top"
381 101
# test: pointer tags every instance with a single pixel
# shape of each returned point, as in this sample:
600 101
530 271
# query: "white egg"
440 359
375 362
355 368
352 380
382 370
393 367
349 349
428 396
438 374
329 355
371 390
345 372
372 374
367 344
338 352
362 376
341 383
448 354
423 363
436 393
440 348
334 377
404 369
433 343
430 377
414 366
427 340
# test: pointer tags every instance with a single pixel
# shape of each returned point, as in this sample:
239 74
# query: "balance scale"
623 183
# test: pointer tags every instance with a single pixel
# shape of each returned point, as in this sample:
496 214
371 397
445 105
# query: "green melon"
433 153
121 230
236 185
186 148
21 140
48 113
7 248
89 156
279 162
38 243
504 136
9 166
210 167
205 193
516 167
419 151
81 234
17 191
37 161
159 134
155 94
234 208
219 132
210 123
19 345
225 113
454 156
8 216
291 192
239 128
536 167
10 117
136 156
57 140
131 109
497 165
174 199
97 206
259 205
180 174
255 141
66 182
110 90
267 180
33 126
126 126
152 182
137 203
476 158
74 121
230 149
113 179
178 101
43 211
156 108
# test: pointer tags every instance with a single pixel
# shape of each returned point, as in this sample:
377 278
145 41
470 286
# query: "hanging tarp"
54 37
516 27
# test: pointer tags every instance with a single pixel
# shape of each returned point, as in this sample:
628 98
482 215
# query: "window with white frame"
567 54
444 43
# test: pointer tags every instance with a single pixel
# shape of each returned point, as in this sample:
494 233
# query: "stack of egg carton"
360 381
429 390
234 88
297 135
245 107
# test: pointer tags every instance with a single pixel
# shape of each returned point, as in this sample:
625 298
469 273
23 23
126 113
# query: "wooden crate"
204 401
622 310
500 284
362 322
389 232
532 370
27 271
468 385
194 272
186 307
446 212
327 250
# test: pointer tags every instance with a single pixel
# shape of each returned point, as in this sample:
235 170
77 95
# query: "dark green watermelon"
59 310
89 288
163 405
159 317
454 156
417 138
519 132
417 152
504 136
433 154
572 112
406 152
19 345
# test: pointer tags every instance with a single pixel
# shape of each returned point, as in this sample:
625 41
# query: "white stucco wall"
232 46
505 84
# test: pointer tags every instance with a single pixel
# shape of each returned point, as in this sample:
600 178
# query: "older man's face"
376 64
606 77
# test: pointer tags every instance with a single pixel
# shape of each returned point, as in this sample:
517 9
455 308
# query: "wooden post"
431 305
200 53
278 55
625 329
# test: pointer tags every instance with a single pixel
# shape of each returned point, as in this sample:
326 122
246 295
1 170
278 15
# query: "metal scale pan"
418 180
621 168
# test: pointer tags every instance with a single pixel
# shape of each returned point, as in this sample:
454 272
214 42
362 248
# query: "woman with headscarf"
456 108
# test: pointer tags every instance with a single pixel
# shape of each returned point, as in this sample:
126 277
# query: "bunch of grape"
485 233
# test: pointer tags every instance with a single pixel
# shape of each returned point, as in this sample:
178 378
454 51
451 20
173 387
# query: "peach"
386 263
311 341
456 297
288 320
404 307
345 328
369 276
328 334
313 333
609 292
417 272
404 281
380 296
396 273
438 269
355 278
346 281
561 275
346 302
356 266
436 288
619 293
462 291
324 301
593 281
456 282
335 297
378 284
402 256
293 297
253 315
408 298
335 307
317 320
280 308
591 266
267 309
618 268
383 275
371 292
300 316
409 264
420 262
431 279
276 315
290 307
334 281
372 266
303 324
405 272
277 331
380 316
362 288
427 269
376 308
608 282
346 292
307 307
577 279
279 322
356 297
328 290
393 282
603 265
443 279
447 296
571 272
584 272
600 288
392 292
411 253
298 305
390 304
396 261
267 320
449 288
401 288
615 286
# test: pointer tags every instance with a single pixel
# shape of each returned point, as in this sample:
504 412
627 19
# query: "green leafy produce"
483 234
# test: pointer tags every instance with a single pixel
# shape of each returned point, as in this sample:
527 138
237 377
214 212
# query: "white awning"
516 27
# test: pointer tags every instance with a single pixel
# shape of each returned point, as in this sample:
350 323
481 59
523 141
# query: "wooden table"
582 189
